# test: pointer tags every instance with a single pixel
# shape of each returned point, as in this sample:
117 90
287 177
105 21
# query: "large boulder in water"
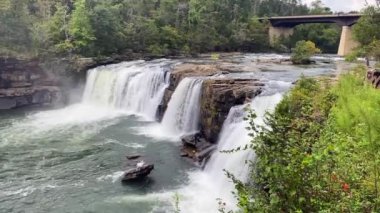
218 97
141 170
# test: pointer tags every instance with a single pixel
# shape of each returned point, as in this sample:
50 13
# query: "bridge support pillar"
276 33
347 43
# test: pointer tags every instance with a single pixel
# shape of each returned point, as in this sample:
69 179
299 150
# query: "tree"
367 33
80 28
303 52
367 28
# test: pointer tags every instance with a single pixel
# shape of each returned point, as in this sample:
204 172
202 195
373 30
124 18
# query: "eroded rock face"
218 97
23 83
180 72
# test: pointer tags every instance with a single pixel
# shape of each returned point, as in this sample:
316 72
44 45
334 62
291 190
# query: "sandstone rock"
218 94
218 97
141 170
180 72
23 82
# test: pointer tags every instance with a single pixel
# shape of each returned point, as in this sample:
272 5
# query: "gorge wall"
24 83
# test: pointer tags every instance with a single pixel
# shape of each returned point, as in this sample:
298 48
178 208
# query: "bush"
320 151
303 51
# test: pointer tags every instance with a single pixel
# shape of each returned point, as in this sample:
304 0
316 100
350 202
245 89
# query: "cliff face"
180 72
24 83
219 95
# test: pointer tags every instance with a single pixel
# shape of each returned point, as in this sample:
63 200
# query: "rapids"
71 159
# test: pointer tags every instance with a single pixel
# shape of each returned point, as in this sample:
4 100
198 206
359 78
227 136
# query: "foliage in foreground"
320 151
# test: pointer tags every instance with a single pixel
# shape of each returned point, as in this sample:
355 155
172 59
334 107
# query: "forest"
92 28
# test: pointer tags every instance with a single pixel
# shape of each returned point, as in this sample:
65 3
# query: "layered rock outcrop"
180 72
23 83
219 95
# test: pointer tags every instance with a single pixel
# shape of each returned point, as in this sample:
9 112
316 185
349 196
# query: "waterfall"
207 186
182 114
134 87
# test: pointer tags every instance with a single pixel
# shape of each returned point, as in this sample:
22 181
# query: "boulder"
218 97
141 170
373 77
192 139
196 148
133 157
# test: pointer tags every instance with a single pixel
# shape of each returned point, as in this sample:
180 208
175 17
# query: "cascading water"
70 159
132 87
211 184
182 114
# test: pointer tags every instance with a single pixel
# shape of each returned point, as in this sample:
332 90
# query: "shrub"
320 151
303 51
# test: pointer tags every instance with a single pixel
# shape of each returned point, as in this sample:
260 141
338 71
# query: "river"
71 159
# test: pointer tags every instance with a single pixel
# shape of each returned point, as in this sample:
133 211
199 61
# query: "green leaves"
303 51
320 152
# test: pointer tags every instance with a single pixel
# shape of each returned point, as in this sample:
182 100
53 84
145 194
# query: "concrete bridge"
283 27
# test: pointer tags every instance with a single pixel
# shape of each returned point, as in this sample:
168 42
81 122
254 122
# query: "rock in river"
141 170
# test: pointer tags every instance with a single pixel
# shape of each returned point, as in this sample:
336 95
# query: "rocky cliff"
23 83
180 72
218 95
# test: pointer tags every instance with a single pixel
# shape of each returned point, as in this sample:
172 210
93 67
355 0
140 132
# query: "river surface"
71 159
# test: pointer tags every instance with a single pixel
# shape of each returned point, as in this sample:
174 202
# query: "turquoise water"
71 159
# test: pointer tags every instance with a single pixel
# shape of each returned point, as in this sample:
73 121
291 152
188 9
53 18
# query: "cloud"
344 5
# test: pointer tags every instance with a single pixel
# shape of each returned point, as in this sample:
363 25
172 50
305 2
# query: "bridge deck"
292 21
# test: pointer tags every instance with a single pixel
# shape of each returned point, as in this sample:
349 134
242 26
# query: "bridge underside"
282 27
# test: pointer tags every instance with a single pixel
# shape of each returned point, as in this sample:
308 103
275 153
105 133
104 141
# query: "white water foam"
182 115
113 177
111 91
207 186
136 88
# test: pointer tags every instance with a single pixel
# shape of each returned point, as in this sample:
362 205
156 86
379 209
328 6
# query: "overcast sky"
344 5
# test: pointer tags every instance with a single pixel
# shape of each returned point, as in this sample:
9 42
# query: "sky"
344 5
